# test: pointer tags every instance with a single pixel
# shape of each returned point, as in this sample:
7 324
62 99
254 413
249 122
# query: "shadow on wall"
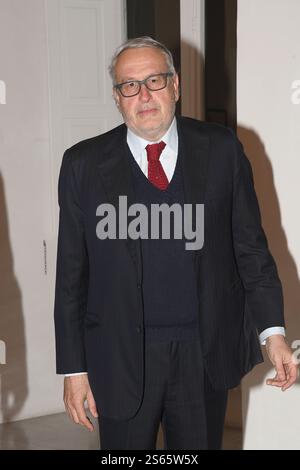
13 369
278 244
192 105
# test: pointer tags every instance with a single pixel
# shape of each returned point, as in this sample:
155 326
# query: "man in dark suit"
147 331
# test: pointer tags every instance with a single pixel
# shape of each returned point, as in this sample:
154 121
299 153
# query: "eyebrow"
130 78
124 80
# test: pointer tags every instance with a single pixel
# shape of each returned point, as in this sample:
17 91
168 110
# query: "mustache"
147 108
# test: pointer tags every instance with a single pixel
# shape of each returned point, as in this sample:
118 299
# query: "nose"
145 94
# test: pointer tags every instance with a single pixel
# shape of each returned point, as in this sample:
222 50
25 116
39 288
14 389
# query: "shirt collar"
138 144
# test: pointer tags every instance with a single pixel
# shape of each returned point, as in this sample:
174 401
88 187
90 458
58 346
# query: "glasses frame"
144 82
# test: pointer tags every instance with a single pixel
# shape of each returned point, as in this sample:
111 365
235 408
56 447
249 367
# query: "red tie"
156 172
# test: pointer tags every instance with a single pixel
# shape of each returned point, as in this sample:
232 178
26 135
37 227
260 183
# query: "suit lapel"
193 146
115 173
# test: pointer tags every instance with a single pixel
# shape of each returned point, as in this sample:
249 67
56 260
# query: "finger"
68 408
292 377
281 374
92 405
72 413
83 419
275 381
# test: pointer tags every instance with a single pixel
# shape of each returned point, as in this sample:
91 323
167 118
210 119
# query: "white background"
53 58
269 127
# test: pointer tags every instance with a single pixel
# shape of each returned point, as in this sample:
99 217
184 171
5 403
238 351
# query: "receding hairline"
163 55
141 43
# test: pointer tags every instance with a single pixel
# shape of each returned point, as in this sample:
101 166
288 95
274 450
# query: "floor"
57 432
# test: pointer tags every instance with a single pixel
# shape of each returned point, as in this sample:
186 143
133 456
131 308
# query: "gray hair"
136 43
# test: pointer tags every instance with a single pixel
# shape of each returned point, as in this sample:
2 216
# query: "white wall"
32 35
28 386
268 64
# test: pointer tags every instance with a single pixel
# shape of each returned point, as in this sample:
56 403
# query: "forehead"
140 62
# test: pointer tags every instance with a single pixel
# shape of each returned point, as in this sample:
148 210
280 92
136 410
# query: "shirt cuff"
75 373
274 330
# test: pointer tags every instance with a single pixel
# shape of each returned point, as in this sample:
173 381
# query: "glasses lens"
129 89
156 82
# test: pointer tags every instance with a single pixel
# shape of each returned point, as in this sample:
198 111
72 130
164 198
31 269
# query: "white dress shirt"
168 159
168 156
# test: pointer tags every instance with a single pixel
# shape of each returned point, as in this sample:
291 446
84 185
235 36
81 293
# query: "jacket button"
138 285
138 329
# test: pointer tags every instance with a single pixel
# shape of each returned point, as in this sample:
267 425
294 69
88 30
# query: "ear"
116 97
176 87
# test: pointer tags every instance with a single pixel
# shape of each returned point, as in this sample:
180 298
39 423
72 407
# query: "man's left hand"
281 356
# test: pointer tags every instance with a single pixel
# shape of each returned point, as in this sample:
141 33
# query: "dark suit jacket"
98 303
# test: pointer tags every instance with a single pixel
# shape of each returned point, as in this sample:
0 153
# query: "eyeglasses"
153 83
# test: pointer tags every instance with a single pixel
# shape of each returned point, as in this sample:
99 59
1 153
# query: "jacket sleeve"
71 275
256 266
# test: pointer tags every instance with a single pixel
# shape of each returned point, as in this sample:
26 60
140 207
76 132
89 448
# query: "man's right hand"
76 391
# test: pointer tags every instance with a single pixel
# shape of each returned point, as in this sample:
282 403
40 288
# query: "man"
146 330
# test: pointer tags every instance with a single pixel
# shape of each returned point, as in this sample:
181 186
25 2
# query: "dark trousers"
179 396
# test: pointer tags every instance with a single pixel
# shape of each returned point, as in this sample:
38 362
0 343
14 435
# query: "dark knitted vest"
169 287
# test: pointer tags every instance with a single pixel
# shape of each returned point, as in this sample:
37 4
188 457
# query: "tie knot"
154 150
